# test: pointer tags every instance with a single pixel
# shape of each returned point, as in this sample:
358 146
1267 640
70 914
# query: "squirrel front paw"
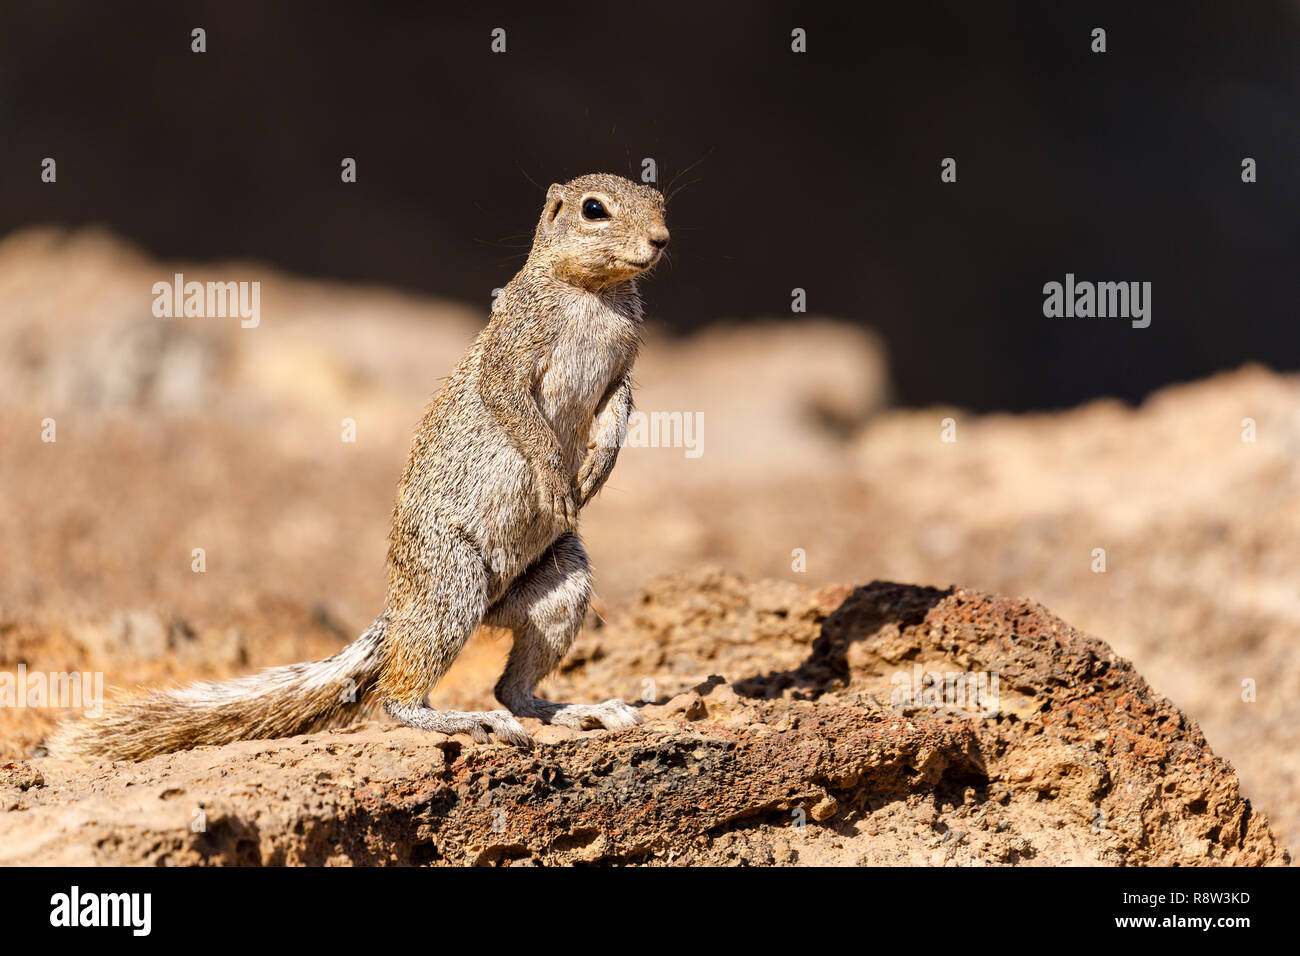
594 470
555 497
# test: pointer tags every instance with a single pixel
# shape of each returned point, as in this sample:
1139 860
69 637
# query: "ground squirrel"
514 444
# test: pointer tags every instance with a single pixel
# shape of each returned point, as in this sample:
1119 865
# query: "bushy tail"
279 702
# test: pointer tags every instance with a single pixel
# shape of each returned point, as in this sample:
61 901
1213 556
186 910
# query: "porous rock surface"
778 736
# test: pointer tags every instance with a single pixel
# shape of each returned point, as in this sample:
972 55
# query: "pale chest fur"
594 346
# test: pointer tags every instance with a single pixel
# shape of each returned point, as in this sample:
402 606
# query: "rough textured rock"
781 737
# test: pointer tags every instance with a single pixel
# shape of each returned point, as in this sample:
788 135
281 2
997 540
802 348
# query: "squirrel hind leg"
432 613
544 609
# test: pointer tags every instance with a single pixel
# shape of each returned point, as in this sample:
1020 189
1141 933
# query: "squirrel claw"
504 727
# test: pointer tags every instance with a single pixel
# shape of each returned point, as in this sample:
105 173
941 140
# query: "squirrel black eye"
594 209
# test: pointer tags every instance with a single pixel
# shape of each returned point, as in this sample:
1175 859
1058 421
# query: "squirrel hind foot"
480 725
611 715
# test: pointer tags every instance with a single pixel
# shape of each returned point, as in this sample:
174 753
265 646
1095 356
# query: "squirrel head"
599 230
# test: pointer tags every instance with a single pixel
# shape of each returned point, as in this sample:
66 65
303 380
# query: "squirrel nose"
658 237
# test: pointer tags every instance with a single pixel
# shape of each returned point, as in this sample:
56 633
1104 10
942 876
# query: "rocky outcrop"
883 724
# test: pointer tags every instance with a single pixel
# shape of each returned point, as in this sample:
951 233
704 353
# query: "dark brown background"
819 171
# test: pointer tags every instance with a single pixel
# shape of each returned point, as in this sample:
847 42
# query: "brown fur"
520 437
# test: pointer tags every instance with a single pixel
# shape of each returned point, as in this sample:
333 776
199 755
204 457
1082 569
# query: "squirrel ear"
554 200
